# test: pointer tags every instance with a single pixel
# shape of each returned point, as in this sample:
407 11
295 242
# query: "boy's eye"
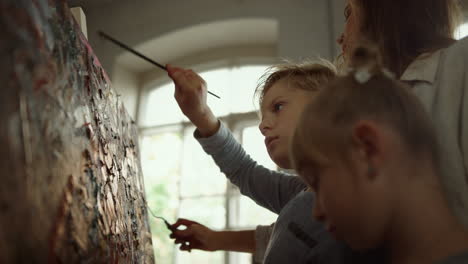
347 12
277 107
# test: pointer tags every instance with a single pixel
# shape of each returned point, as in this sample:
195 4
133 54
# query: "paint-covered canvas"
71 188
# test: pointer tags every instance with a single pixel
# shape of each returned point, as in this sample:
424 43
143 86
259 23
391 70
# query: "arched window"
234 84
181 180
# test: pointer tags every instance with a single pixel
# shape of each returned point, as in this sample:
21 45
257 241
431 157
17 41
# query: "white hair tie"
388 73
362 75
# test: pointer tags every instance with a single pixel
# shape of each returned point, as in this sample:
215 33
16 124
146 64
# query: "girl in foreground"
368 149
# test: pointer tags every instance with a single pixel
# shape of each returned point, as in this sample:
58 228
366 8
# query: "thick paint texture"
71 185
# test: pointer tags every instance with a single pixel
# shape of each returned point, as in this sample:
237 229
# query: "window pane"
240 258
462 31
217 81
210 212
253 142
200 175
161 107
199 257
242 88
246 212
235 86
160 156
251 214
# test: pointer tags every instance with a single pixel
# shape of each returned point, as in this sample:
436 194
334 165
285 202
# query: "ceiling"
94 3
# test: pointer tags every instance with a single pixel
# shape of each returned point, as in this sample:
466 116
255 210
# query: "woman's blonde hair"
308 75
405 29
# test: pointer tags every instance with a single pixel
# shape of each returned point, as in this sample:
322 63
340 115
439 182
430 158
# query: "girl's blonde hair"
309 75
367 92
405 29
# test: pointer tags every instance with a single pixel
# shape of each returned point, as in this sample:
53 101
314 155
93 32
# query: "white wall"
126 83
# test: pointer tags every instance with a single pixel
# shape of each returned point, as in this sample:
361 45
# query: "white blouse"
440 81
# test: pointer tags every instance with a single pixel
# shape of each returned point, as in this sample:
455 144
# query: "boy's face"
280 110
353 205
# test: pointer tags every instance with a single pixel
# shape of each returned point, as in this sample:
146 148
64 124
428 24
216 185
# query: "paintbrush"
168 225
122 45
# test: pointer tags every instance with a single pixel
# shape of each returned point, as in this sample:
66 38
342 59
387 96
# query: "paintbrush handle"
168 225
214 95
120 44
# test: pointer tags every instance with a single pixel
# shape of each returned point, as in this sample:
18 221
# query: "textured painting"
71 188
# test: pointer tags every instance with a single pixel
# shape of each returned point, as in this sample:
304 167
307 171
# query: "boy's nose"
264 126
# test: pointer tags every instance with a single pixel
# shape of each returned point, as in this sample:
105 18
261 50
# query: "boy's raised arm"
270 189
190 94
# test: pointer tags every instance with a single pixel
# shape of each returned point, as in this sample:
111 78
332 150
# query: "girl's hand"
190 94
195 236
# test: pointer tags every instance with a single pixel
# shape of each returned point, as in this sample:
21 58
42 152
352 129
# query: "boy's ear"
367 138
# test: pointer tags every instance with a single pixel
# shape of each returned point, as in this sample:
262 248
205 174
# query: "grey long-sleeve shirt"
268 188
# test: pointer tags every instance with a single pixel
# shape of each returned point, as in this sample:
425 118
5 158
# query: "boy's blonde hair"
308 75
366 92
